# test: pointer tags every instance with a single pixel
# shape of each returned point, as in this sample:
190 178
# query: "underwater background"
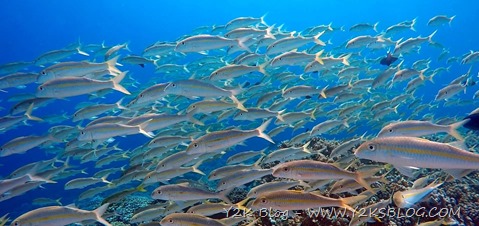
31 28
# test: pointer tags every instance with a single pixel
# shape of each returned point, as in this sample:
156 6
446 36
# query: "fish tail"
116 83
375 26
119 106
195 168
104 180
312 114
421 73
346 59
241 43
348 207
192 119
317 41
261 68
280 116
261 130
360 179
141 129
268 32
413 23
306 149
453 129
241 205
99 212
239 105
430 36
223 195
317 57
450 19
81 52
323 92
111 66
29 115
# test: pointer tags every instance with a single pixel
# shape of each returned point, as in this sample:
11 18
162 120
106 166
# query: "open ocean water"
33 28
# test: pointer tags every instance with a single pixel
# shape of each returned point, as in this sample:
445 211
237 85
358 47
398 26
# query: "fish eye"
195 145
280 58
159 192
141 95
16 224
263 200
173 84
372 147
241 113
223 183
286 169
82 132
390 130
182 43
162 165
340 186
194 106
44 73
40 87
171 220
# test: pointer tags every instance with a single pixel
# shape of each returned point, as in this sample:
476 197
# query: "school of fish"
227 85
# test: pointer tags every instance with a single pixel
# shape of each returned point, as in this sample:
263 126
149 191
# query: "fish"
408 153
388 60
22 144
440 20
77 69
103 131
364 26
220 140
416 128
289 43
80 183
315 170
190 88
61 215
74 86
9 184
182 192
199 43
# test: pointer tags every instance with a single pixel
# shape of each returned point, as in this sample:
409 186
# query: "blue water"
31 28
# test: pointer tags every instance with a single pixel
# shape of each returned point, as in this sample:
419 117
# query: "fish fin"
261 130
453 129
99 212
111 66
375 26
116 83
346 202
29 115
406 170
